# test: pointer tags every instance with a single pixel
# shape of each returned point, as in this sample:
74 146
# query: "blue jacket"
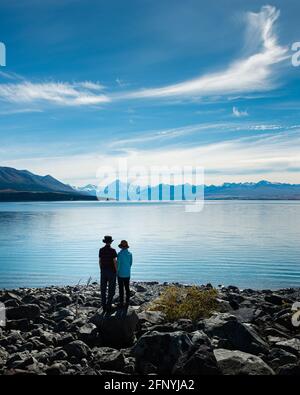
124 263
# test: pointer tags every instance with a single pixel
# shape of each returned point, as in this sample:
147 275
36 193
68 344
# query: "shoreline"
62 331
149 283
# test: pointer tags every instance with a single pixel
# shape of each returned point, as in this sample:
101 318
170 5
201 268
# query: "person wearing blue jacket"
124 263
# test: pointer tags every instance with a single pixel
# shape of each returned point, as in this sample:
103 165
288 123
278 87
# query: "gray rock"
161 350
14 338
22 325
62 314
88 333
290 370
20 361
59 355
154 317
117 329
65 339
238 335
29 311
63 299
56 369
274 299
199 338
77 349
109 359
283 356
291 345
140 288
197 361
12 303
245 314
10 296
241 363
3 356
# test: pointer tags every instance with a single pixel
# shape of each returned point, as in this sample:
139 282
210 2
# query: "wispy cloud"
14 111
90 85
239 159
239 113
121 83
58 93
247 75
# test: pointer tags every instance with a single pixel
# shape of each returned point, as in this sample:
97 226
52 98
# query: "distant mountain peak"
25 181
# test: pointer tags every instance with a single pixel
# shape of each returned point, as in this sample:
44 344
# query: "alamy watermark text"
2 54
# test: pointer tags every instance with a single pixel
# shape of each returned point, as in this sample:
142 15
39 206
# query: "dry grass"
186 302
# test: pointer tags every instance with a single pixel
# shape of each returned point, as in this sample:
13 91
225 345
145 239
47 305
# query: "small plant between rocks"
186 302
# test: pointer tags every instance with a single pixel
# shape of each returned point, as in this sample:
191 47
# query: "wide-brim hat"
107 239
123 244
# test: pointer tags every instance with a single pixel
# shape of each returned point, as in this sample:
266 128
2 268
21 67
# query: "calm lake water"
249 244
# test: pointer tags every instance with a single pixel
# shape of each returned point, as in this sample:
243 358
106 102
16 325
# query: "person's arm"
116 264
100 259
131 260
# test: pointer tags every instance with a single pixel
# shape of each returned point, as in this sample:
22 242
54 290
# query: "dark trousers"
108 278
124 283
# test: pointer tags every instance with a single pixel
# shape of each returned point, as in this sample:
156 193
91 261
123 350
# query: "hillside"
22 185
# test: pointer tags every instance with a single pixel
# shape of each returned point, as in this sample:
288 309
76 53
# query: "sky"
169 82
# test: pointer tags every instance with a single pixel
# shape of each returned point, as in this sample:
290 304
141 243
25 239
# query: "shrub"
186 302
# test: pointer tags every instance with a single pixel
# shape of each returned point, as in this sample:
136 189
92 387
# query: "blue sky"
158 82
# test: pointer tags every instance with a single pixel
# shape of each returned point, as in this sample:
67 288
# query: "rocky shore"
63 331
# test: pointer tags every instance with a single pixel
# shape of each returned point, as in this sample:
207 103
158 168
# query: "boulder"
290 370
56 369
88 333
140 288
77 349
154 317
238 336
29 311
199 338
107 358
245 314
62 314
63 300
284 356
9 296
59 355
274 299
65 339
20 361
116 329
241 363
12 303
3 357
279 357
291 345
197 361
22 325
162 350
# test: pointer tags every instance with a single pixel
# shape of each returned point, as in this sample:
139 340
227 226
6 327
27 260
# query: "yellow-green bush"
186 302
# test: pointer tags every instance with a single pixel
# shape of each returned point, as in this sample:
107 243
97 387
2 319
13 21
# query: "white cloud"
121 83
58 93
238 113
244 159
91 85
247 75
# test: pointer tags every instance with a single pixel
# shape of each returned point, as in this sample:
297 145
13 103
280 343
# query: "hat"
123 244
107 239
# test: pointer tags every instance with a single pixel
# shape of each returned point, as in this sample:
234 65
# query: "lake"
245 243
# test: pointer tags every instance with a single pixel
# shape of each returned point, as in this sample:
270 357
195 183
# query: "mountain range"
262 190
22 185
